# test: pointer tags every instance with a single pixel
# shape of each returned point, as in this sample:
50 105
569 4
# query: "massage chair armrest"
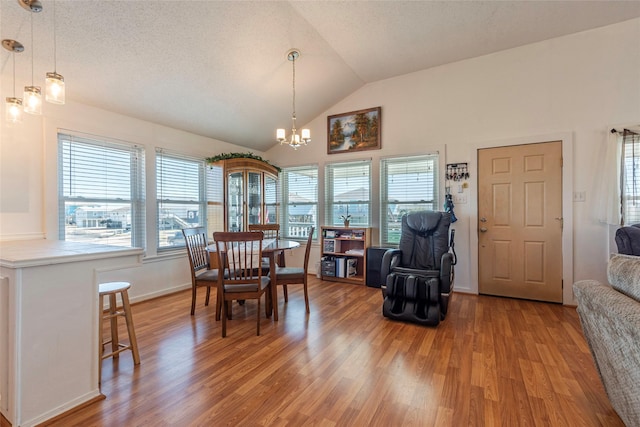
390 259
446 272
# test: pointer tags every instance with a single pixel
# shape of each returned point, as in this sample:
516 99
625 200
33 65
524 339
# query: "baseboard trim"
58 417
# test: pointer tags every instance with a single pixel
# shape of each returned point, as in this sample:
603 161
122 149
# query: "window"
100 191
630 178
180 197
407 184
348 192
299 201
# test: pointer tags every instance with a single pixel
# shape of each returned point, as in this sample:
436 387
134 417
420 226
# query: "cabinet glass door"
270 200
235 201
254 198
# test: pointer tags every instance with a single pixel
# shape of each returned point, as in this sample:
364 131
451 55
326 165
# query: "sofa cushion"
628 240
623 272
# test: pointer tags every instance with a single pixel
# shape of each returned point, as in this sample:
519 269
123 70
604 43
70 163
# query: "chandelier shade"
295 140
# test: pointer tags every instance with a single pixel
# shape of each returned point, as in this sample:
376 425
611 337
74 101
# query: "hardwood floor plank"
491 362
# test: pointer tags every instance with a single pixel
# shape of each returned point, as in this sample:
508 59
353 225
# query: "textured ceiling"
219 68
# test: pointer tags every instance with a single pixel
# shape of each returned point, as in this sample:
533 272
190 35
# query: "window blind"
630 178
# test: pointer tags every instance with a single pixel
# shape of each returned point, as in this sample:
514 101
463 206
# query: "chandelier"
294 140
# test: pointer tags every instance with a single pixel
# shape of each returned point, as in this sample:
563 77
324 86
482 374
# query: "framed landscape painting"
354 131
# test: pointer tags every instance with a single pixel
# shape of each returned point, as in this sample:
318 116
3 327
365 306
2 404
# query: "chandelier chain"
294 88
14 73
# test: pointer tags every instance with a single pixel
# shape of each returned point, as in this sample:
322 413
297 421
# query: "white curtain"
608 178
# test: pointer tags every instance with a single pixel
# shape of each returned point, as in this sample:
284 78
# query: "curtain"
608 188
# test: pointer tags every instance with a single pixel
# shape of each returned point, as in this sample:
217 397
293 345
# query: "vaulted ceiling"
219 68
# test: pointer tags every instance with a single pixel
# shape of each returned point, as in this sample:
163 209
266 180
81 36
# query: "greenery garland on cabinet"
226 156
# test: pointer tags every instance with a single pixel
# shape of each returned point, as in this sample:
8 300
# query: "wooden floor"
492 362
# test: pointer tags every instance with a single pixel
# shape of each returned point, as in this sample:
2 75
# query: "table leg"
274 286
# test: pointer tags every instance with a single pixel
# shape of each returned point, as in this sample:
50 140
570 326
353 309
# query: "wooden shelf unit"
337 242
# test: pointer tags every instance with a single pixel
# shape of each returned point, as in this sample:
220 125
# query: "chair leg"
258 316
114 325
225 307
306 295
286 294
206 300
193 299
218 304
133 342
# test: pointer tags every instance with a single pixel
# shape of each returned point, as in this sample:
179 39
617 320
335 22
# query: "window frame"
429 202
336 218
95 148
286 230
163 203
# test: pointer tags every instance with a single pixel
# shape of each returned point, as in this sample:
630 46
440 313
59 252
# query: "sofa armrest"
611 325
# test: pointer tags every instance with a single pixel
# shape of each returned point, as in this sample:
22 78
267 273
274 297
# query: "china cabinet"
250 192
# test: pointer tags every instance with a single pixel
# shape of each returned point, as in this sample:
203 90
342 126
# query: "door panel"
520 228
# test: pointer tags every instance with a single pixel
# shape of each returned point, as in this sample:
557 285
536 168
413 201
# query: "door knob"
483 219
483 230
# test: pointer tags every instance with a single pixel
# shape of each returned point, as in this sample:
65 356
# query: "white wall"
28 179
576 86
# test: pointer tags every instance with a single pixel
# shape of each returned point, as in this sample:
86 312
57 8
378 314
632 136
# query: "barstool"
111 289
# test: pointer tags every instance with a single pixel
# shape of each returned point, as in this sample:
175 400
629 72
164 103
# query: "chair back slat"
196 242
271 231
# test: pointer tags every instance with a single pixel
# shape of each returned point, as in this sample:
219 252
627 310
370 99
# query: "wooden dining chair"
201 273
271 231
295 275
239 256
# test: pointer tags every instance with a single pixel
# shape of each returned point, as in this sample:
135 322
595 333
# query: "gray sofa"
610 318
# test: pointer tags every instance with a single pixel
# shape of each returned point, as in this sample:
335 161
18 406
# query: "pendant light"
32 94
295 140
54 92
13 105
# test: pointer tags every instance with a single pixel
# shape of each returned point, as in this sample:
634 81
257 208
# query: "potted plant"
345 219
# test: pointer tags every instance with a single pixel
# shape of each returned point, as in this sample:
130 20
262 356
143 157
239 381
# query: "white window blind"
348 193
215 198
100 191
180 196
407 184
300 201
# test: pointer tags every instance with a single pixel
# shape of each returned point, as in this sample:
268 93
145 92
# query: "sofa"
610 319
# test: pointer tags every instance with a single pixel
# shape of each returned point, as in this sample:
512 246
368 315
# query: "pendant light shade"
13 105
32 100
13 110
55 88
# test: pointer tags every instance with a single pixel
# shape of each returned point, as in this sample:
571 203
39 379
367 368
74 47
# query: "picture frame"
354 131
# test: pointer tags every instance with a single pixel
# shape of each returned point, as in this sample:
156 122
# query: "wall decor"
354 131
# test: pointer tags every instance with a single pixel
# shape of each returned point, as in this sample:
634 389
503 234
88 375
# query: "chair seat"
289 272
208 275
248 287
112 287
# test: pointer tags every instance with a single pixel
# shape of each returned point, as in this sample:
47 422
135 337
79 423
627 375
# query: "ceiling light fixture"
54 92
295 140
13 105
32 94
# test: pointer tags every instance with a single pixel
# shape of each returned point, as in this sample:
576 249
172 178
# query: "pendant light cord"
32 48
55 56
13 54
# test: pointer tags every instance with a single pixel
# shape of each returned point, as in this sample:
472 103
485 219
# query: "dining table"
270 249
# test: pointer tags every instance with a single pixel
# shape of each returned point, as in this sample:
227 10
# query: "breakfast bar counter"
49 324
